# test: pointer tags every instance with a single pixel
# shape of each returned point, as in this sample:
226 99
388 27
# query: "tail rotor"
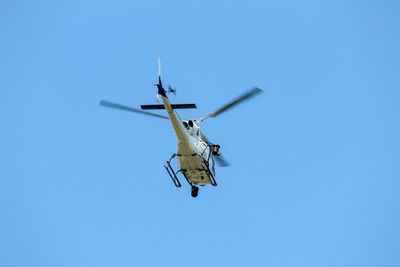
171 90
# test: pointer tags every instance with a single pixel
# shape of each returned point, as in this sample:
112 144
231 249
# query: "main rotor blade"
221 161
254 91
121 107
218 159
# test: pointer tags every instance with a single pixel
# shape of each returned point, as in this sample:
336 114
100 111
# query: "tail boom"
179 128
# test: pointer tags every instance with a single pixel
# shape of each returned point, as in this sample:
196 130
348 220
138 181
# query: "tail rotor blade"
171 89
126 108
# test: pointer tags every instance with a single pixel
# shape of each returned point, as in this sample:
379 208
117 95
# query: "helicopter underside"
194 169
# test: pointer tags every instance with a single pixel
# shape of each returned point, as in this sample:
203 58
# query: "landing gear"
171 171
195 191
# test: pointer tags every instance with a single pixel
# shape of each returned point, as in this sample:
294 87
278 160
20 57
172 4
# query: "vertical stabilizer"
161 90
159 71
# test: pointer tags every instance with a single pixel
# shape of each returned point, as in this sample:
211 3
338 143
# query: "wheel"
195 191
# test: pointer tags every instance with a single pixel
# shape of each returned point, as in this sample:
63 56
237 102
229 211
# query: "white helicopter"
196 154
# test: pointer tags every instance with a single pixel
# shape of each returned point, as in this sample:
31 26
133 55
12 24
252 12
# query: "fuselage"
194 155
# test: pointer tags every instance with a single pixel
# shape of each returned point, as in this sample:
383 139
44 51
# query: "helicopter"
196 155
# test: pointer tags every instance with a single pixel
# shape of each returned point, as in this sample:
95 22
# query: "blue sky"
315 173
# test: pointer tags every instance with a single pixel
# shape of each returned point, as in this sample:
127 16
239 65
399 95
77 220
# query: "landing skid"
172 173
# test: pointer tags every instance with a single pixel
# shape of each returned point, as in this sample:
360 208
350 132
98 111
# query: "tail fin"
161 90
159 71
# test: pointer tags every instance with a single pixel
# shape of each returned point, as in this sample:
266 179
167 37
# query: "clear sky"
315 160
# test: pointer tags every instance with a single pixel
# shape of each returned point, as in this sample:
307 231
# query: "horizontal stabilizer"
174 106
